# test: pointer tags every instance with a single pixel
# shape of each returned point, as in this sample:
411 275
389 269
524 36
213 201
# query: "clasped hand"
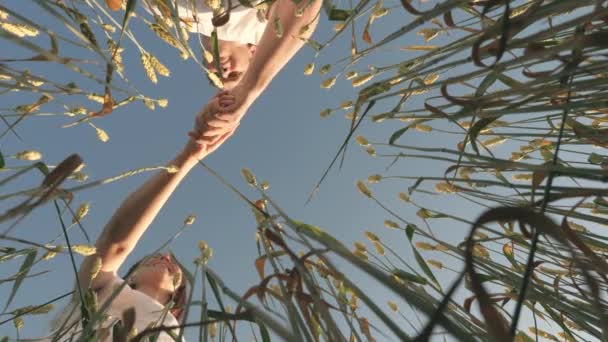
218 120
220 117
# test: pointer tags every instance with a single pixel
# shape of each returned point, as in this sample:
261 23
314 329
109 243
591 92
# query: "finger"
193 135
228 109
197 137
202 143
200 124
206 140
215 131
230 117
195 131
226 103
213 105
210 141
219 123
222 93
227 98
221 140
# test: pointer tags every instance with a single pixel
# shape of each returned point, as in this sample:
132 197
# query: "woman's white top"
147 311
244 25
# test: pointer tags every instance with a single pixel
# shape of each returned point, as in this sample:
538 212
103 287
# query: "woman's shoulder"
114 287
148 311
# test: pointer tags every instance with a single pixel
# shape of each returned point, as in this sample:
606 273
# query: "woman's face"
234 60
159 269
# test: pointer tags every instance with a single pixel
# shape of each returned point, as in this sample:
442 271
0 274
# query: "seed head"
84 249
445 187
374 178
371 236
146 62
350 75
430 79
429 33
217 82
361 140
102 135
493 141
309 68
522 177
371 151
404 197
159 67
29 155
177 279
265 185
364 189
189 220
380 12
20 30
391 224
49 255
360 246
425 246
96 267
360 254
249 177
81 212
162 102
328 83
361 80
437 264
346 104
325 113
379 248
213 329
18 323
278 27
423 128
325 69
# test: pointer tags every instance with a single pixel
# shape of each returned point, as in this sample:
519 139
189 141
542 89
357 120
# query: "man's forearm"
274 52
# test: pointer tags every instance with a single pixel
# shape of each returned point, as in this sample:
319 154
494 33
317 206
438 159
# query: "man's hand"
199 150
214 107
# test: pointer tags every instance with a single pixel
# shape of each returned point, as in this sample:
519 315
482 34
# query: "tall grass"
527 75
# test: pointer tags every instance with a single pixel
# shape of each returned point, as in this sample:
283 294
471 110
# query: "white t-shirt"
147 311
244 25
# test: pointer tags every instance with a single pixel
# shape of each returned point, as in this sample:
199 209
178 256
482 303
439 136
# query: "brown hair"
181 294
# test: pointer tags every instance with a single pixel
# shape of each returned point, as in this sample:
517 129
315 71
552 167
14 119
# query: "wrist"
190 155
254 84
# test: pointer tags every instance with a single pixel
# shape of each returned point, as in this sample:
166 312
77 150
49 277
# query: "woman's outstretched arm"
136 213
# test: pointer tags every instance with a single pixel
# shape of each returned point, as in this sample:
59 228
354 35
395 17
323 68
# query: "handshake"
217 121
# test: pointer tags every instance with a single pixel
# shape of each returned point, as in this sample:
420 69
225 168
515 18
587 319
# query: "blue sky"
282 140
